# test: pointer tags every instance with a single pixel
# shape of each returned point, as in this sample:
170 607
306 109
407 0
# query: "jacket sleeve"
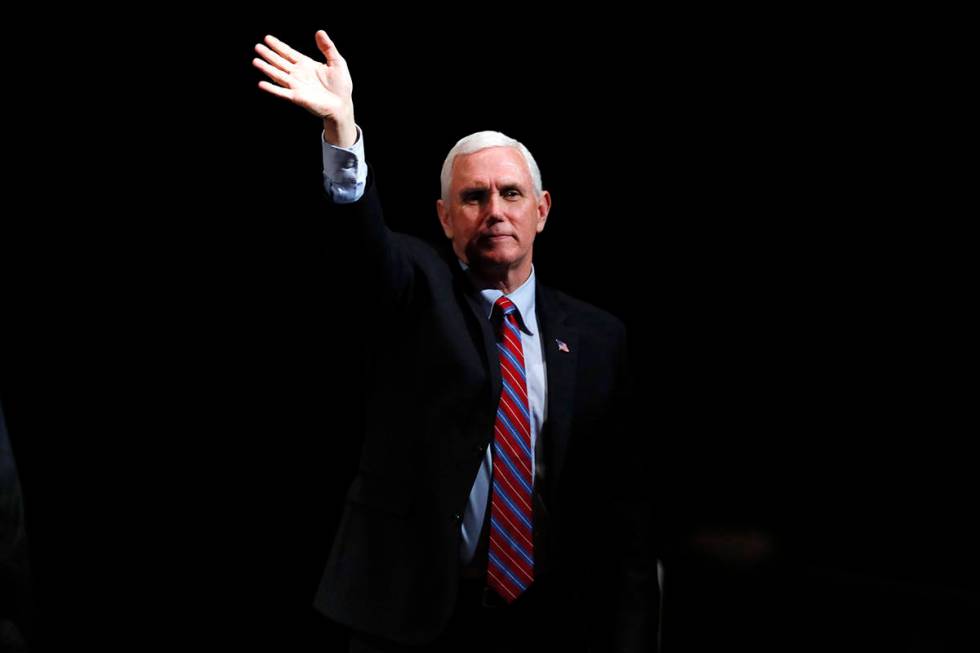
380 254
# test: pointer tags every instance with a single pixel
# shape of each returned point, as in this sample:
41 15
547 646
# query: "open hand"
323 89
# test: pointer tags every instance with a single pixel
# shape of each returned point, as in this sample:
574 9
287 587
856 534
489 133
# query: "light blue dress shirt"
344 178
534 369
344 173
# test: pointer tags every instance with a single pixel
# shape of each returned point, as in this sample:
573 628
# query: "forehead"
491 164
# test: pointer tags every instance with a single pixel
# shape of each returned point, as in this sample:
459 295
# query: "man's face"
492 215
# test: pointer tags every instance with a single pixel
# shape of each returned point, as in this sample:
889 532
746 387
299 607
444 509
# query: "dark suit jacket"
434 388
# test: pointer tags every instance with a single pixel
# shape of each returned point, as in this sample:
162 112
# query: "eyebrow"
482 188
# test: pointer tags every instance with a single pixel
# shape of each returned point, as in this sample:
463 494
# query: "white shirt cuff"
344 170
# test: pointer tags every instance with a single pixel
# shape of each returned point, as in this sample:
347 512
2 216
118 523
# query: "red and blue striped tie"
510 568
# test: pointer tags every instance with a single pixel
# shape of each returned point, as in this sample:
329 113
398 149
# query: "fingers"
277 75
287 52
276 90
273 58
328 48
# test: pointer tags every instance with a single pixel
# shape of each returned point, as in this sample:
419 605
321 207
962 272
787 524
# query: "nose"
495 206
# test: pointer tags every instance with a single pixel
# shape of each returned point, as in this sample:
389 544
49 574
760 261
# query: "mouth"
495 237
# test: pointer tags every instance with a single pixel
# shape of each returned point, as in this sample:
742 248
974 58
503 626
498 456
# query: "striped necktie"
510 567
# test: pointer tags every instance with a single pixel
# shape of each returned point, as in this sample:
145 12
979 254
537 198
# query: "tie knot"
502 308
504 305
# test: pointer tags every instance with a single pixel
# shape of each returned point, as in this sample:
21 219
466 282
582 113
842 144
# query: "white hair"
481 141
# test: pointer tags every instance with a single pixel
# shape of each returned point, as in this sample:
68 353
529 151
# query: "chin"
496 257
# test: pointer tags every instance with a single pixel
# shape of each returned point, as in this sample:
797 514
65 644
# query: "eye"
511 193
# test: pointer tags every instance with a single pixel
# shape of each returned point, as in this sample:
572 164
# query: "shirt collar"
523 298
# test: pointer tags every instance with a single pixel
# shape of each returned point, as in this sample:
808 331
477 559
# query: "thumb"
327 47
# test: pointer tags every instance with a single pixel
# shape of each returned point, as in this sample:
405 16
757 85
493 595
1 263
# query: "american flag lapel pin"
562 346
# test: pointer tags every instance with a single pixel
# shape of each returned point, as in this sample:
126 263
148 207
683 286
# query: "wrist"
340 132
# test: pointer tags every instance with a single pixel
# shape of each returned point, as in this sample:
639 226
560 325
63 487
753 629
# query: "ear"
544 208
447 225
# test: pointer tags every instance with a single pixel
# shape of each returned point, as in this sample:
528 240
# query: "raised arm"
324 89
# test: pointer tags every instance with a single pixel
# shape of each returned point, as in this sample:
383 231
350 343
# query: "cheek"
464 228
529 225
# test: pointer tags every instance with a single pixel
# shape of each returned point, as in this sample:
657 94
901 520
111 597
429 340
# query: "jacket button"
458 516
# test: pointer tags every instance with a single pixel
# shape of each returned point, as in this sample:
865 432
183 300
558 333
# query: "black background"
181 346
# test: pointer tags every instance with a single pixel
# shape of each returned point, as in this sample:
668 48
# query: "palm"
319 89
323 89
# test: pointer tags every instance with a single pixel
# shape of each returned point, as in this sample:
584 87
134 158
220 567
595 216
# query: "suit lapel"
481 329
561 366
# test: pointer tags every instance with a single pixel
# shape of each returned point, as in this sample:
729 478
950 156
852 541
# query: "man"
492 509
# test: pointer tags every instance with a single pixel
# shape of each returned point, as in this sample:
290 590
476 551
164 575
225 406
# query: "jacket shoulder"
585 316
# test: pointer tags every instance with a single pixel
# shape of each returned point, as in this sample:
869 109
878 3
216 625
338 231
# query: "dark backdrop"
180 371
